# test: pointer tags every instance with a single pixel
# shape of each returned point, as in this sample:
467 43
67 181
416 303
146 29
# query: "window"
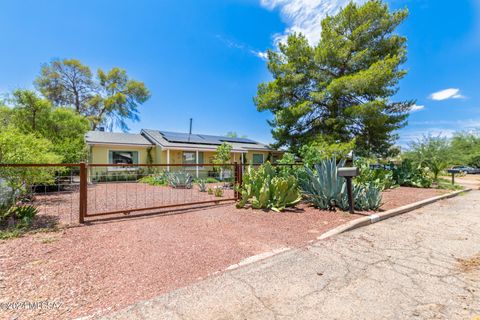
123 157
190 157
257 158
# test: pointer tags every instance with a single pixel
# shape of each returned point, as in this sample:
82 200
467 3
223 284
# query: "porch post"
196 160
168 159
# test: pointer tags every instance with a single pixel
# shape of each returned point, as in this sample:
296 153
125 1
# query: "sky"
205 59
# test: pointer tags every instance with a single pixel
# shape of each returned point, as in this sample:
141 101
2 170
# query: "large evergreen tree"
341 88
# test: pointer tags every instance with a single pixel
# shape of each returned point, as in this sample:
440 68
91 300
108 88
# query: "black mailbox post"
453 171
348 173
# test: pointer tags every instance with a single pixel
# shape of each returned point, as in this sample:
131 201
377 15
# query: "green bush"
409 175
155 180
211 180
264 190
379 177
218 192
19 216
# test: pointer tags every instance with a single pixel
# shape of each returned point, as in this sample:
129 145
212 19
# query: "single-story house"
164 147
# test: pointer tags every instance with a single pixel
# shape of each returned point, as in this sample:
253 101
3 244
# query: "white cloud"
451 93
241 46
261 54
305 16
416 108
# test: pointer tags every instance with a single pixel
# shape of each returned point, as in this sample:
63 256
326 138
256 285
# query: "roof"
101 137
168 139
174 140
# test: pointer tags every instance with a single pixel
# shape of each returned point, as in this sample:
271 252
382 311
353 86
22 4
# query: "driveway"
421 265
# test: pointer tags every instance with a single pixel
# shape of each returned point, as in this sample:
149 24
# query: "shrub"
218 192
211 180
379 177
264 190
410 175
155 180
210 191
19 216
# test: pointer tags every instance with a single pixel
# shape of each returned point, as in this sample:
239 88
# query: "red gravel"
109 264
398 197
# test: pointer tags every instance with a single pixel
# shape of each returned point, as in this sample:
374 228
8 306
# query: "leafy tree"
320 149
342 87
18 147
222 156
430 152
233 134
61 126
67 82
110 99
465 148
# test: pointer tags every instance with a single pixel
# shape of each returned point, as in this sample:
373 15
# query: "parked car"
467 169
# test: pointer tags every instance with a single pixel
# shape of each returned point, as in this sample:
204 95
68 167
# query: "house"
164 147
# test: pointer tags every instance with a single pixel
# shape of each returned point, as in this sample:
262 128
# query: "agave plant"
180 179
326 190
202 185
323 187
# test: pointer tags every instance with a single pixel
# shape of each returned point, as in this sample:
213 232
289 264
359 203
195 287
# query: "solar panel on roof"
201 138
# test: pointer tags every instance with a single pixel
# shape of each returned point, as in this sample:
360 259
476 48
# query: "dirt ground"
107 264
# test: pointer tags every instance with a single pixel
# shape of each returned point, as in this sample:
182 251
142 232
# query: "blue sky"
203 59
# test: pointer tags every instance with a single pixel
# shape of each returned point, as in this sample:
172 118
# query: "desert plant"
326 190
155 180
210 191
379 177
218 192
322 186
180 179
367 197
410 175
264 190
19 216
202 185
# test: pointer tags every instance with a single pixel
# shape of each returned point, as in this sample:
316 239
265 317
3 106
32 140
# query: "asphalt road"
422 265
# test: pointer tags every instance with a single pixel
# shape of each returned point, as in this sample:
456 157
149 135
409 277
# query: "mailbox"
348 172
452 171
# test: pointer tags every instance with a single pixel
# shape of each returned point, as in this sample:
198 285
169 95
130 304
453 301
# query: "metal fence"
69 193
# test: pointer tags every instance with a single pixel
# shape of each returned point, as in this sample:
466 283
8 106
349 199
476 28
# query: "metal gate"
112 189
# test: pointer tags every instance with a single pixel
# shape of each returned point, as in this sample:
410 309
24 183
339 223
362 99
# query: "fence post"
83 192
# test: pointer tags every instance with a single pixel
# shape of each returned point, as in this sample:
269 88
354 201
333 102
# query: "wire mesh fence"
57 192
67 193
52 189
125 189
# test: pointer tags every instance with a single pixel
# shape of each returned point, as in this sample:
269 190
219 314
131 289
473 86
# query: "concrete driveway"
421 265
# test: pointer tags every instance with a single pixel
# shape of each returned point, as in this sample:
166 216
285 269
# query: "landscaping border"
365 221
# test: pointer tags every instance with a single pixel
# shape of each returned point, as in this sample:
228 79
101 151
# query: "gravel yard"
110 263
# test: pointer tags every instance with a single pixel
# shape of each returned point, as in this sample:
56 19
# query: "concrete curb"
364 221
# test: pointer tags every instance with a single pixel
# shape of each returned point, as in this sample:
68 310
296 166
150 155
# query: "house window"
257 158
123 157
190 157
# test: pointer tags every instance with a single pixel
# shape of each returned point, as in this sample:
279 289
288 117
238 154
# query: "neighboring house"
163 147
